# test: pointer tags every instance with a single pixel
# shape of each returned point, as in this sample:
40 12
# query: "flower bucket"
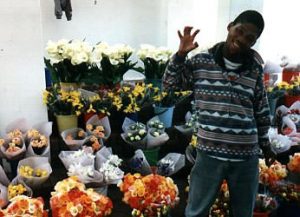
133 116
65 122
273 104
152 155
68 86
289 100
87 116
261 214
165 115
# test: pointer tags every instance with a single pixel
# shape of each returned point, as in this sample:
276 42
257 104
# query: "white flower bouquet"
81 157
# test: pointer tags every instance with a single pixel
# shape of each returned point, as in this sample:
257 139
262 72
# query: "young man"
234 114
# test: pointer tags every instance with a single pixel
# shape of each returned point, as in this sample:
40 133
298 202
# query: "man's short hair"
253 17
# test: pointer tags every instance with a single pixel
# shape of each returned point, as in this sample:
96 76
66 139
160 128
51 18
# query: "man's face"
241 37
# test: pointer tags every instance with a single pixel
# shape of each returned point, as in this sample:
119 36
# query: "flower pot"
68 86
87 116
289 100
261 214
65 122
165 115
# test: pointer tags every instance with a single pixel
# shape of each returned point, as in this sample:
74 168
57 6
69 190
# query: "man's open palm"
187 40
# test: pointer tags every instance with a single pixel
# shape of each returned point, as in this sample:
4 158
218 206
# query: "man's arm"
177 73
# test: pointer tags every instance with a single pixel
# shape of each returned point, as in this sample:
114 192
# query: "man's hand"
187 41
269 155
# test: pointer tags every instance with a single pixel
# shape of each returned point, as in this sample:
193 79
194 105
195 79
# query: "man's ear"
230 25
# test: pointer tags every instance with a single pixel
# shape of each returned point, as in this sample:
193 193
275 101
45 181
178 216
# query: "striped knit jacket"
234 111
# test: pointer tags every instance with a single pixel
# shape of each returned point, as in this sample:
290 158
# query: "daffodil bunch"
131 99
150 195
62 102
155 60
170 97
68 60
101 103
71 198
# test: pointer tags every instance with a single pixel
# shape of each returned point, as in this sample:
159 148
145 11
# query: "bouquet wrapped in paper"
18 187
38 138
71 198
25 206
279 143
74 138
92 144
3 196
98 127
147 198
134 133
155 123
108 165
86 174
191 123
13 148
17 128
81 157
166 166
137 135
34 171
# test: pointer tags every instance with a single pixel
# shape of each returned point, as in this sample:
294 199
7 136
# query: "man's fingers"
187 30
179 34
195 33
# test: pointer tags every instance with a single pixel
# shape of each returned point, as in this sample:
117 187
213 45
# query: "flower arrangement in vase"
155 60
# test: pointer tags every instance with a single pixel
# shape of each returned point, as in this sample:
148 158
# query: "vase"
87 116
289 100
152 155
273 105
261 214
165 115
68 86
65 122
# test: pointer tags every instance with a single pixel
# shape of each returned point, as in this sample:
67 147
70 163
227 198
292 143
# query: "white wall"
21 66
114 21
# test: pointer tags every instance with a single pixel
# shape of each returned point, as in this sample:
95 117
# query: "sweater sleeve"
262 112
178 74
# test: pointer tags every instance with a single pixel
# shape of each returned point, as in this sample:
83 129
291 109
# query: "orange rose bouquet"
70 198
25 206
150 195
270 175
294 163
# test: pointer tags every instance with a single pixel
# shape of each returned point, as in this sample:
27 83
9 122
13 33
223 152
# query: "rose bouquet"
74 138
25 206
152 195
13 148
92 144
270 175
155 60
294 163
70 198
99 127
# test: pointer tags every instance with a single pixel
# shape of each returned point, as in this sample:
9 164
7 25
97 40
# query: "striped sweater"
234 111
